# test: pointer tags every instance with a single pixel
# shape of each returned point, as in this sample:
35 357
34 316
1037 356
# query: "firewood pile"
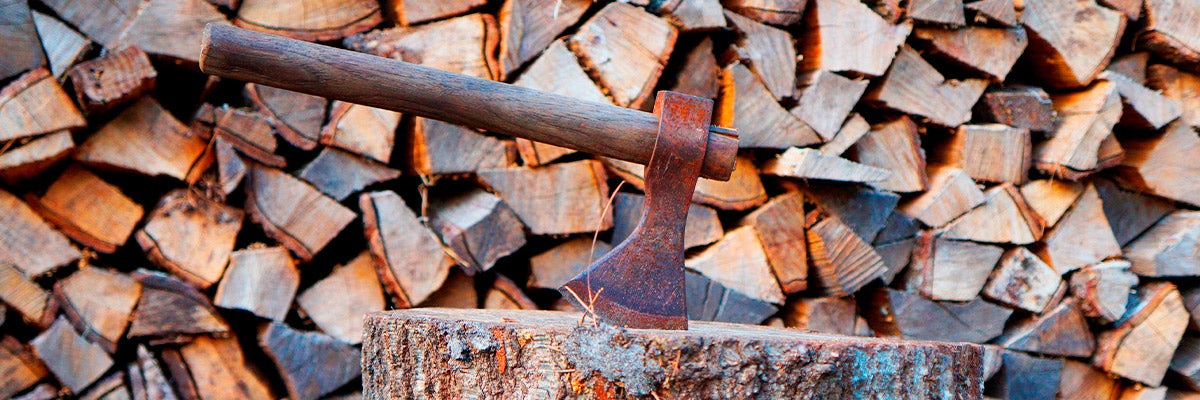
1020 174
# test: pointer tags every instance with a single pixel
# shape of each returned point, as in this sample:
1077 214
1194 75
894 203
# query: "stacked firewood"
1021 174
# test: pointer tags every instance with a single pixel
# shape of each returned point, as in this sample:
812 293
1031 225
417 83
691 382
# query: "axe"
640 283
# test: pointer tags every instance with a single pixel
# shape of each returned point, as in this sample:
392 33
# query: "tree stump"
450 353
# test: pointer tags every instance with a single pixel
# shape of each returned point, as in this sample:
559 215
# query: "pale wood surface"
440 148
297 117
311 364
313 20
850 37
769 52
593 353
1169 248
1182 86
260 280
112 80
1023 280
145 138
88 209
1081 237
950 270
24 161
944 12
700 74
1103 289
529 26
988 152
1061 331
409 12
1140 346
863 209
1130 213
465 45
558 71
362 130
894 146
1051 198
1144 108
34 104
1004 217
779 225
1164 164
1000 12
102 21
99 303
739 262
477 227
555 267
774 12
339 174
825 100
806 163
506 295
72 359
1070 41
408 258
850 132
292 212
554 199
842 262
20 367
191 236
834 315
23 47
250 133
1088 117
913 86
760 120
22 295
626 48
951 193
171 29
169 309
338 303
28 242
218 369
990 51
1079 380
703 225
894 313
1171 32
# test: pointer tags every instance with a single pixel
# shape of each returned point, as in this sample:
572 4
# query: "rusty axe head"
640 283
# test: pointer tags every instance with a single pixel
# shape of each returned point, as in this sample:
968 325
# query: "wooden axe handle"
601 129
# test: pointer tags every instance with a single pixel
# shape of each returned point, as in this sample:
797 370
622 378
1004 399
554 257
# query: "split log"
62 44
1130 213
836 315
951 270
693 15
864 210
768 52
170 309
393 338
20 367
774 12
1003 218
1186 362
22 295
505 295
854 129
338 302
701 227
1170 248
27 242
72 359
261 280
951 194
760 120
989 51
1082 381
367 131
944 102
529 26
1103 289
411 12
1142 392
1051 198
1070 41
843 262
1191 301
895 147
146 139
171 28
297 117
458 292
477 228
1131 65
215 368
112 386
894 313
338 174
113 80
708 300
23 47
739 263
896 257
988 153
825 99
1179 85
896 227
1082 237
471 51
36 104
557 71
999 12
942 12
1062 331
624 49
147 379
699 75
408 258
292 212
555 267
102 21
1139 348
190 236
806 163
99 303
439 148
1143 108
1022 280
743 190
1018 106
88 209
24 161
779 225
849 37
312 365
1171 33
1163 165
311 20
555 199
1024 376
250 133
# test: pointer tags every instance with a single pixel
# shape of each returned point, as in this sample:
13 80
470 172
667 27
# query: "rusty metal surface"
640 283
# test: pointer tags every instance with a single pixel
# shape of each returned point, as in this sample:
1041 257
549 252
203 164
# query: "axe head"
640 283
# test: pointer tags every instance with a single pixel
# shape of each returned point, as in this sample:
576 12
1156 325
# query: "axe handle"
601 129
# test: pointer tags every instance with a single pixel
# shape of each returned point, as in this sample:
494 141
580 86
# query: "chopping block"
521 354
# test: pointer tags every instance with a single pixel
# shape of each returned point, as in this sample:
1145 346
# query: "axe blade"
640 283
